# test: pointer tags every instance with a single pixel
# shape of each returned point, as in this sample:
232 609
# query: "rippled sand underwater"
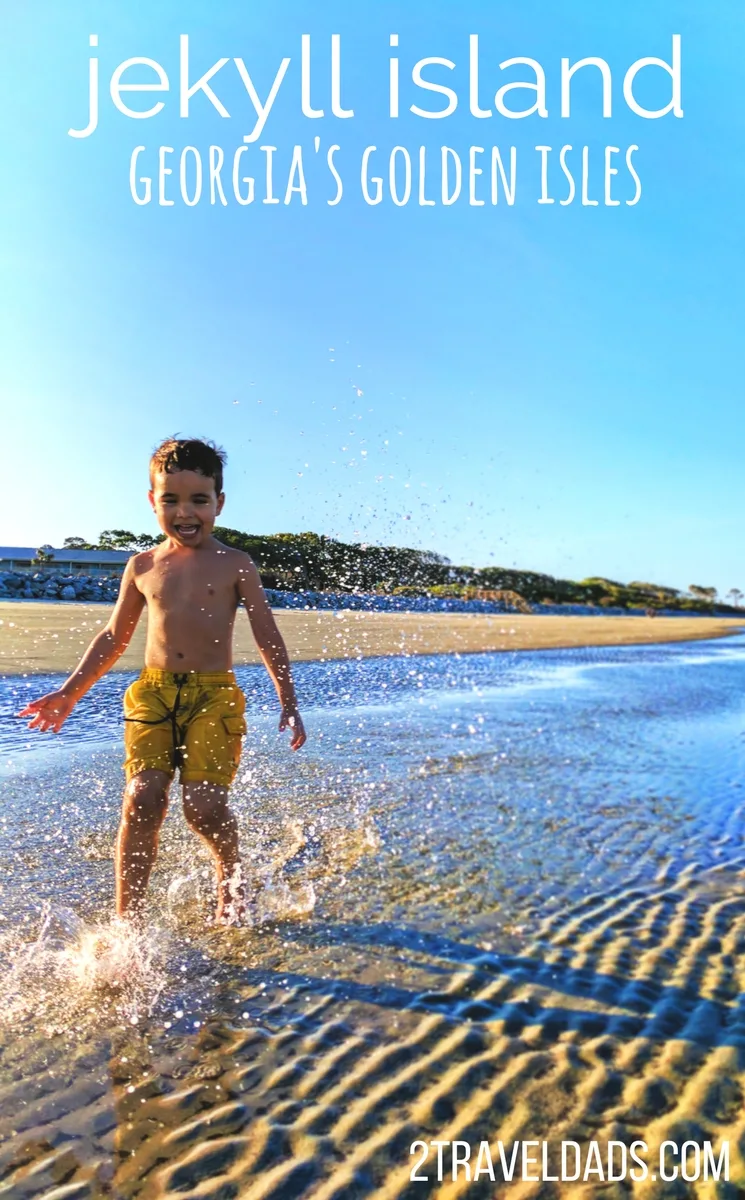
497 897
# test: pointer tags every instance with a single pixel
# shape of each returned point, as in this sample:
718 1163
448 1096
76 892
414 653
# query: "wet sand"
43 638
319 1098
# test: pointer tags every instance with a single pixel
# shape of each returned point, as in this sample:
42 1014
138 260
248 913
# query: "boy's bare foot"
231 913
231 901
234 915
133 920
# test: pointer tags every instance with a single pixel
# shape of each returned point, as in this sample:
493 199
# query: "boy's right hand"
49 712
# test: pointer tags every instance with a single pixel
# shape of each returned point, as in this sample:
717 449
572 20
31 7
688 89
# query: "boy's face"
186 505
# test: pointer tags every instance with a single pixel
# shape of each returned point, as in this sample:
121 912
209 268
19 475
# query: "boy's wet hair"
189 454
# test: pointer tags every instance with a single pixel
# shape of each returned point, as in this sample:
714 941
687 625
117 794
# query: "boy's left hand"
291 719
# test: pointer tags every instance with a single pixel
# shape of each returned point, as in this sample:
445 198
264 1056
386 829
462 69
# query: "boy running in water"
186 709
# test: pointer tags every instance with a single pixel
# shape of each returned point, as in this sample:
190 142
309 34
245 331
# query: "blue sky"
548 387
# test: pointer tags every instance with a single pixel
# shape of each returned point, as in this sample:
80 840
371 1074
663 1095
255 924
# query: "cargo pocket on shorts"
235 727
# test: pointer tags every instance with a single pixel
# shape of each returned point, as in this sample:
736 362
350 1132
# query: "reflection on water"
475 864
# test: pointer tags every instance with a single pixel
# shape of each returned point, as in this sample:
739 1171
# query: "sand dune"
37 638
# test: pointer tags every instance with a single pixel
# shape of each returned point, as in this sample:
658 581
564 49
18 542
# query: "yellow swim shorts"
194 721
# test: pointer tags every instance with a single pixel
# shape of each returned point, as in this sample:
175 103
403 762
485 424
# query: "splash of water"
270 895
76 975
282 876
76 972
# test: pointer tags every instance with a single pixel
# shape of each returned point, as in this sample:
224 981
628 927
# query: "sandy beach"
43 638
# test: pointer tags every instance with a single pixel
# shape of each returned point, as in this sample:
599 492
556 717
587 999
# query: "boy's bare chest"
201 587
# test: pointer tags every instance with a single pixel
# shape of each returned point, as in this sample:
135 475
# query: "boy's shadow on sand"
651 1009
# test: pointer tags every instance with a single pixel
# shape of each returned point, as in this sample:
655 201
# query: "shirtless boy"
186 709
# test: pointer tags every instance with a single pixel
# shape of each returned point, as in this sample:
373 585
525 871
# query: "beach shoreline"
49 638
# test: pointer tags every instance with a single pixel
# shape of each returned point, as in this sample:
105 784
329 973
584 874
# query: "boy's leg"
143 809
207 812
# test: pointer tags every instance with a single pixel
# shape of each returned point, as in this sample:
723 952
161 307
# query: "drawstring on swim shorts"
170 715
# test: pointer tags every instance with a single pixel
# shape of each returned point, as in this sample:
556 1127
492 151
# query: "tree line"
313 562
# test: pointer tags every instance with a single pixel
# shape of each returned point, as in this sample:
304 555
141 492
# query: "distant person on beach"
186 709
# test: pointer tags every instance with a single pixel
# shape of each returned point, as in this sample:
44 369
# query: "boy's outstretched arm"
271 647
50 711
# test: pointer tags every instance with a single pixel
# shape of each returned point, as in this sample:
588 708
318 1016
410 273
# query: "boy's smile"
186 505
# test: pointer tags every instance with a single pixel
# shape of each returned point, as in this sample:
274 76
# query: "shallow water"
493 892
